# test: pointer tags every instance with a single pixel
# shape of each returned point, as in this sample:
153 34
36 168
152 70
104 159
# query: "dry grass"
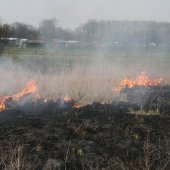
16 157
144 113
84 78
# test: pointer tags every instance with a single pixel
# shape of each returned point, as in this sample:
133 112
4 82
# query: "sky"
72 13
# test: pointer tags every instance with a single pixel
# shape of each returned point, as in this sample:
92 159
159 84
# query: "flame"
142 80
2 104
76 106
67 98
31 88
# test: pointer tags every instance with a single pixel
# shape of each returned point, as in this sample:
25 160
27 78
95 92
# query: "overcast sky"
71 13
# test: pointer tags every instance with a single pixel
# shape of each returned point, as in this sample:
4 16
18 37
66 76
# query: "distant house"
23 43
11 41
35 43
116 44
72 44
152 44
68 44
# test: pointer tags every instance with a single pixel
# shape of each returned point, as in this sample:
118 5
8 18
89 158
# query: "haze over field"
72 13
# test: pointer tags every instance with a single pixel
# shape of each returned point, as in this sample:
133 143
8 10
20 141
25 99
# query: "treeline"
48 30
19 30
124 32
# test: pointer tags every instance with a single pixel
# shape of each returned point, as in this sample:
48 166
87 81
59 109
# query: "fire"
76 106
31 88
142 80
2 105
67 98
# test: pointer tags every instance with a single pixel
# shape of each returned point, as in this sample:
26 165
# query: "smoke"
86 79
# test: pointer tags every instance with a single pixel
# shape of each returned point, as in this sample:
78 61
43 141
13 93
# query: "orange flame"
31 88
67 98
76 106
141 80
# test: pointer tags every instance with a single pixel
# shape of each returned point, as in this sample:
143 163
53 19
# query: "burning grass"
85 82
63 134
70 118
30 89
141 80
137 88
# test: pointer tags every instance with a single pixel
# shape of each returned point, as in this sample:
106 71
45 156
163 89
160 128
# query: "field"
79 122
151 60
83 75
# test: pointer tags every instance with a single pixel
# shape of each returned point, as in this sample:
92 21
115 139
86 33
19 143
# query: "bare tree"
21 30
48 28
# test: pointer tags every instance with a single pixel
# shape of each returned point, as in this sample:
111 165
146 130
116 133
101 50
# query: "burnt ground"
55 135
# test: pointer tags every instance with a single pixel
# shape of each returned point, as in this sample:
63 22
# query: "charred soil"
55 135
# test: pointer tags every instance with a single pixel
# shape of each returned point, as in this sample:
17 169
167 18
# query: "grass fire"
84 85
30 89
57 116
